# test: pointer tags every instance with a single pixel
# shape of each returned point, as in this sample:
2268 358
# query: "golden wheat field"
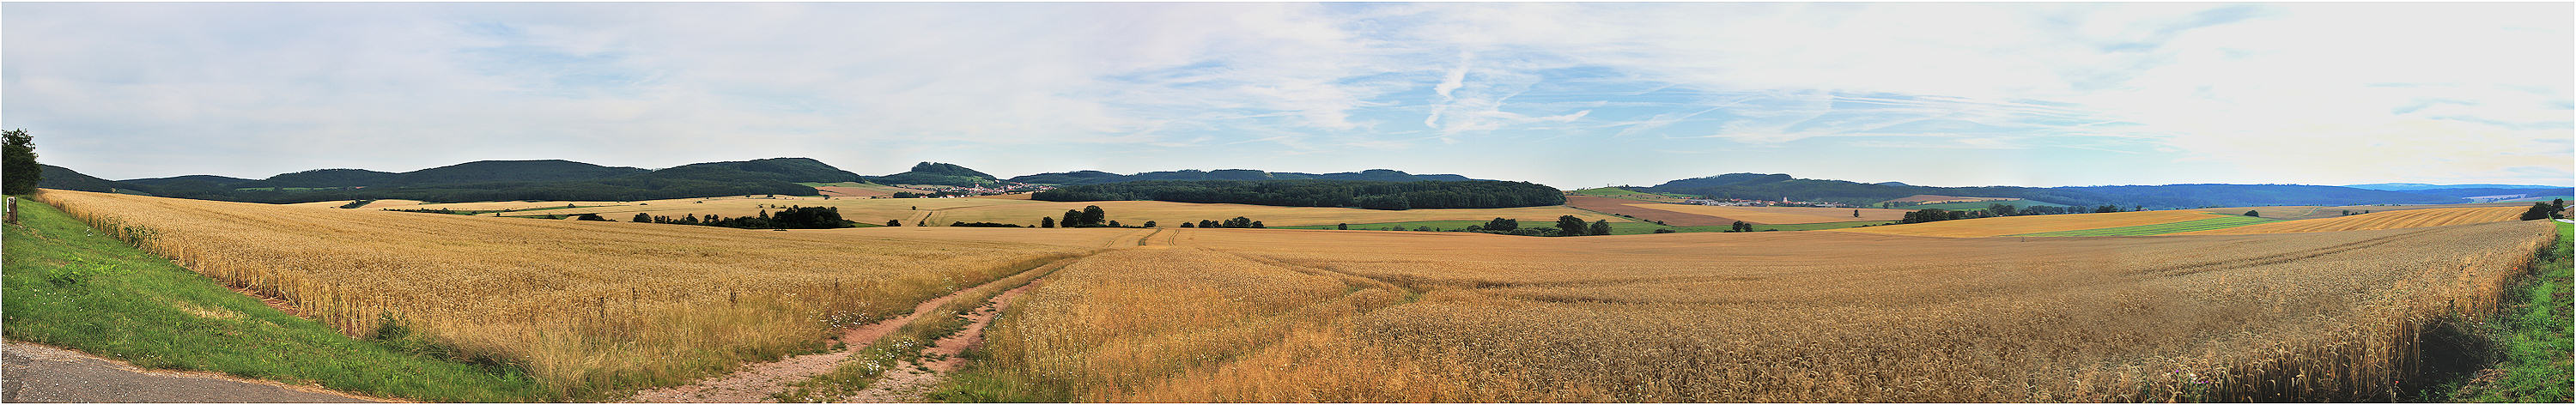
589 308
1782 215
2016 225
1231 315
2413 218
1025 212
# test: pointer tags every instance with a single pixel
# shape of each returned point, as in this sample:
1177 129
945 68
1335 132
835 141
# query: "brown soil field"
1937 199
1782 215
2412 218
587 307
2016 225
1623 206
1322 316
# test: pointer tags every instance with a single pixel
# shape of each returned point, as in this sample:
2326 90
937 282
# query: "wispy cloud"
2362 92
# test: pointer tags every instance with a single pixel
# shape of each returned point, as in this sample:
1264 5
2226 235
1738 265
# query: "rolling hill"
939 174
57 177
1773 186
1099 177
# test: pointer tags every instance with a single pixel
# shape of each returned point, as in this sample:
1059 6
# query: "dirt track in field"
908 384
757 382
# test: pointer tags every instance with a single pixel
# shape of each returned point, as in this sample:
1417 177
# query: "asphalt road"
35 373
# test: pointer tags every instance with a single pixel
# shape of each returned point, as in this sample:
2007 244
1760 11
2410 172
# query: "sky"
1570 95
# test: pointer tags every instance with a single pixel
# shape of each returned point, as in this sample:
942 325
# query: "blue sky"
1565 94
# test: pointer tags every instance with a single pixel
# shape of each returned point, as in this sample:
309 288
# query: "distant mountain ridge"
499 180
1100 177
2422 186
1776 186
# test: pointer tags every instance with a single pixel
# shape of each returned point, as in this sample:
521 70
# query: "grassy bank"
2532 336
70 286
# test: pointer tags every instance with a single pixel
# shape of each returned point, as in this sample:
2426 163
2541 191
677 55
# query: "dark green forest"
1384 195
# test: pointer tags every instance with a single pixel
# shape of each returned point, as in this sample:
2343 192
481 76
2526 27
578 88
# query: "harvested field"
1943 199
1622 206
858 189
1782 215
375 204
1323 316
2413 218
2218 222
2314 211
2029 224
589 308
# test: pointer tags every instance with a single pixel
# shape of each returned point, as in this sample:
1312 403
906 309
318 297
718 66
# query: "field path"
39 373
907 384
756 382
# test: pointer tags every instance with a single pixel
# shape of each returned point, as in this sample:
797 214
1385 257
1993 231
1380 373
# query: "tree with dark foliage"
18 163
894 222
1568 225
1600 227
2252 213
1046 222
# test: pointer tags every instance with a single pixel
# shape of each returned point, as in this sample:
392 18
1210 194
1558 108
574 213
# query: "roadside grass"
2221 222
68 285
1622 228
2533 334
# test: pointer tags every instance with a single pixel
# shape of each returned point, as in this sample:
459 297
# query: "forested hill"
939 174
509 180
1099 177
59 178
1776 186
1387 195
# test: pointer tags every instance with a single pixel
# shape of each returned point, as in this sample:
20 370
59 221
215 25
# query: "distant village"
1783 202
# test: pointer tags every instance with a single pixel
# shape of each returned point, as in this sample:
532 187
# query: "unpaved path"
38 373
756 382
907 384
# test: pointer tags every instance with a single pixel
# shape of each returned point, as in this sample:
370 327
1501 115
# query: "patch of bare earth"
755 382
909 382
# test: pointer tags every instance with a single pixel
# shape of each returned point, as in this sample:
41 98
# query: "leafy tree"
18 162
1663 231
1600 227
1502 224
590 217
894 222
1740 226
643 218
1342 226
1149 224
1114 224
2539 210
1046 222
1072 219
1188 225
1568 225
1855 213
2106 208
1257 225
2252 213
1093 216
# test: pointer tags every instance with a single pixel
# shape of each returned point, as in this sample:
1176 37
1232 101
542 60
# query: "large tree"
1570 226
18 162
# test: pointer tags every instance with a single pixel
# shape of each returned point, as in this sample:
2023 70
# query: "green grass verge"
2534 334
72 287
2221 222
1616 228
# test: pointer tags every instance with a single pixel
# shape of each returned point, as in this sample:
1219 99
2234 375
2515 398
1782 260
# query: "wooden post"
13 210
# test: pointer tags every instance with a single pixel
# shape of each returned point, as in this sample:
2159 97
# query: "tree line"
1384 195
